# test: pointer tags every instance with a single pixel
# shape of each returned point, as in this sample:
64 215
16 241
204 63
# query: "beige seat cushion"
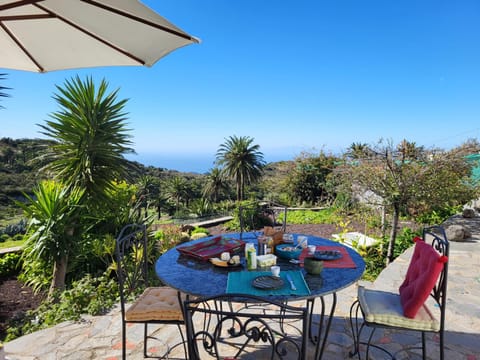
156 303
384 308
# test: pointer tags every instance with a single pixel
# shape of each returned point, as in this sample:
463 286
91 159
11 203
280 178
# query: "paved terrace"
99 337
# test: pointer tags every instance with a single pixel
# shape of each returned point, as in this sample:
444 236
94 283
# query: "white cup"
311 249
275 270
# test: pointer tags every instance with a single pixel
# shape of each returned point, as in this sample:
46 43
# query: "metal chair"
231 333
156 305
407 309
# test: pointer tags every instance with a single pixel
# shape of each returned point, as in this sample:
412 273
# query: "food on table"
234 260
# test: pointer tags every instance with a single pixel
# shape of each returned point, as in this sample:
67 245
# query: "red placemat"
207 249
344 262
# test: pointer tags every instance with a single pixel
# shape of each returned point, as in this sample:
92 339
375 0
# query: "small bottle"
248 246
251 258
269 248
262 245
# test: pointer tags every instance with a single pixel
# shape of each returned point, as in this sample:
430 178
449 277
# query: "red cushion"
422 274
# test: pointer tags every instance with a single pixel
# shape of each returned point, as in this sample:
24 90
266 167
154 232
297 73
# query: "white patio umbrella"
46 35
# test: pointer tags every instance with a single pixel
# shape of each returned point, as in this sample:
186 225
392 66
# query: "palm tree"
241 161
2 88
148 190
90 137
214 184
177 190
358 151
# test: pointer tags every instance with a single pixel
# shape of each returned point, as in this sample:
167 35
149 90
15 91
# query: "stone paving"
99 337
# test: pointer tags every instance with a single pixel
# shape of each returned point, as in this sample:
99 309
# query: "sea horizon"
194 163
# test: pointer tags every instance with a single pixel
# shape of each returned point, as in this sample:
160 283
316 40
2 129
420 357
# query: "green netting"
475 160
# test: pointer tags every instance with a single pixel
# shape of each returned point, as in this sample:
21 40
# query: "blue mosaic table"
201 278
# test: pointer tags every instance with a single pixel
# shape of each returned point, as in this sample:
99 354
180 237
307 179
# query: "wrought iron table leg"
319 340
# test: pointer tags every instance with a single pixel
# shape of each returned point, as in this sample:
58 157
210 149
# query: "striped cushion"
385 308
156 303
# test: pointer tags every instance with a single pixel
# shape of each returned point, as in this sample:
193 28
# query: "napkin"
240 282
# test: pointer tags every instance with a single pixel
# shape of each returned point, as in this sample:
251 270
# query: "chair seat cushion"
385 308
156 304
423 271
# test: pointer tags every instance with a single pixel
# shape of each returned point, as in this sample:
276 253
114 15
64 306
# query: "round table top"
201 278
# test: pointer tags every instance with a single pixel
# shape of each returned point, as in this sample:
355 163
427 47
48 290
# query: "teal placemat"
240 282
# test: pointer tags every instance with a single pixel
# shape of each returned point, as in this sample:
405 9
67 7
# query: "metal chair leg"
424 349
354 325
124 341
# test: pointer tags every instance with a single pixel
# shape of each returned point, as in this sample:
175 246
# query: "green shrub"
438 216
198 235
375 255
404 240
18 237
199 229
14 229
325 216
94 296
10 264
168 237
4 237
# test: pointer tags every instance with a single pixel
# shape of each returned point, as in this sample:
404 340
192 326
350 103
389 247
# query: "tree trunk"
384 220
59 274
239 192
393 233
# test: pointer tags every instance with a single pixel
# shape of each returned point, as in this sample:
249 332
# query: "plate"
266 282
221 263
327 255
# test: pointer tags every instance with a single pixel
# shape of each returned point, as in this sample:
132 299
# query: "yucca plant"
54 227
90 137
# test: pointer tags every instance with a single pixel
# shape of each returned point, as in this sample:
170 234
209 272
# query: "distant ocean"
198 163
180 162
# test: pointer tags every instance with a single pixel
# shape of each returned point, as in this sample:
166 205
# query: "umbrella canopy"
46 35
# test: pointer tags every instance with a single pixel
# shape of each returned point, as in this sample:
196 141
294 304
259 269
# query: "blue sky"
294 75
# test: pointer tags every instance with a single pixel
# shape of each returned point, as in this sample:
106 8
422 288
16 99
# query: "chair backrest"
436 236
260 330
131 261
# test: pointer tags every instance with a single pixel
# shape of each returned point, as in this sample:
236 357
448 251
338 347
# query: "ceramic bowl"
312 265
288 251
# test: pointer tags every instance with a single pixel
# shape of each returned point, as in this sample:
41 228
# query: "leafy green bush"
325 216
18 237
375 255
14 229
4 237
199 229
168 237
94 296
404 240
198 235
438 216
10 264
